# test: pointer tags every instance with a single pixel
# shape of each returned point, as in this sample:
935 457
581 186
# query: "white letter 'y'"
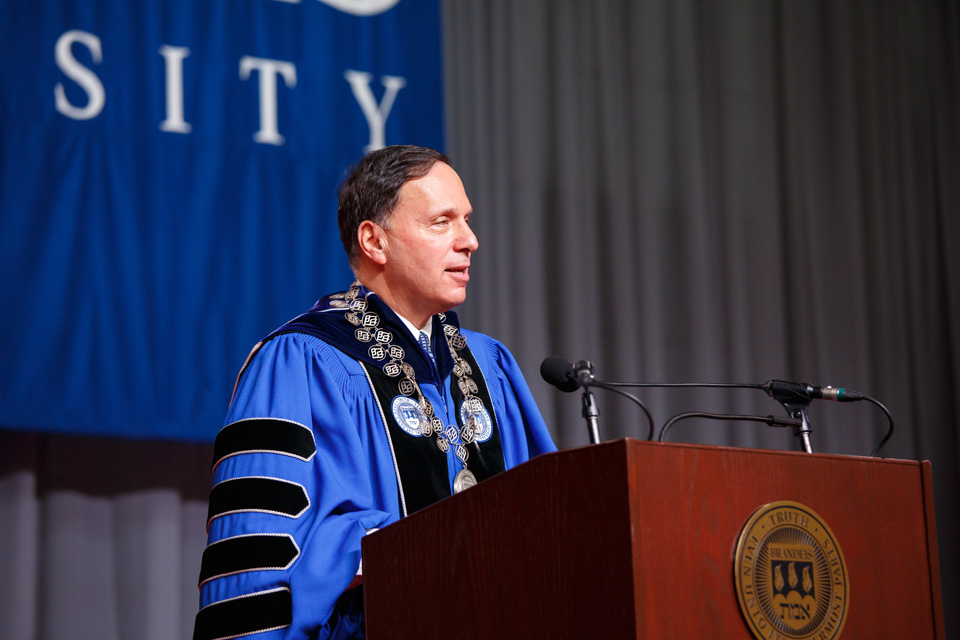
376 115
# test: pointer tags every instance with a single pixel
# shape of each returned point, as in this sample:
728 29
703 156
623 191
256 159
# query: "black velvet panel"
247 553
267 435
243 616
257 494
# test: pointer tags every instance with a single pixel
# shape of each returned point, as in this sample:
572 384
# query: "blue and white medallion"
407 413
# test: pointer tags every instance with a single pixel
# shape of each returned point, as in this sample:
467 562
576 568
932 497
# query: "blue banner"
168 190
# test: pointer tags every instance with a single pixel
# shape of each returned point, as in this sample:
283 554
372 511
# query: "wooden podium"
632 539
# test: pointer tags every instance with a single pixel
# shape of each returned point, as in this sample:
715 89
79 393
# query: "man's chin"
453 300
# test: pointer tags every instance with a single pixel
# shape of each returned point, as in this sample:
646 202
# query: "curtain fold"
102 538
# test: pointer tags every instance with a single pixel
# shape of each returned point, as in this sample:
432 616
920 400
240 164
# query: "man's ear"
372 242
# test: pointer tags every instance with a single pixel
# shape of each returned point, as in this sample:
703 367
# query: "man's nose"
467 240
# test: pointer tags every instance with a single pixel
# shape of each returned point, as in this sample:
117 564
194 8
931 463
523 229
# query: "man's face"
428 245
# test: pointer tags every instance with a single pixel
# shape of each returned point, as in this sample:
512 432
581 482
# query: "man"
371 405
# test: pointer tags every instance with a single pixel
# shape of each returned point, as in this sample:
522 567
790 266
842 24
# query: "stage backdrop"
168 190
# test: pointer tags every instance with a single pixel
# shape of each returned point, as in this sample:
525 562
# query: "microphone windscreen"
559 372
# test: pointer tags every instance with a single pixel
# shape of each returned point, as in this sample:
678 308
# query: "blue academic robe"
305 467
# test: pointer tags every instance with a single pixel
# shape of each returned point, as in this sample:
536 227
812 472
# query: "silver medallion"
474 406
467 386
451 433
426 429
464 480
392 369
426 407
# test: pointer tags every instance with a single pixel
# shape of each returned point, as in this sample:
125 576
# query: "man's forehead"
439 190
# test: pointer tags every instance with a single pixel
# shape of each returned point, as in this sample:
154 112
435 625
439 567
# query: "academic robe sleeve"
291 498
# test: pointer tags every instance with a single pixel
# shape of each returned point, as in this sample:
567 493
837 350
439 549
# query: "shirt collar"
415 332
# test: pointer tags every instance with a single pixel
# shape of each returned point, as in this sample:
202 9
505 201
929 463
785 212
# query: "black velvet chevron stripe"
247 553
257 494
243 616
264 434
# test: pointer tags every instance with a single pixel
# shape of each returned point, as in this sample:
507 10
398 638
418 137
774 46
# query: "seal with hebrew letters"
790 575
408 414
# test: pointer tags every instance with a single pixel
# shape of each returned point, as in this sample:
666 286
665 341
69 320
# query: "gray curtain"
676 190
101 538
724 191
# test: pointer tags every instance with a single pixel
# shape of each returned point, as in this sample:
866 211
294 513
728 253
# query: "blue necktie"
425 343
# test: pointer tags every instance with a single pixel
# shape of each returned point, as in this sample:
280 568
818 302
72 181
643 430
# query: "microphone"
803 393
564 376
560 373
569 377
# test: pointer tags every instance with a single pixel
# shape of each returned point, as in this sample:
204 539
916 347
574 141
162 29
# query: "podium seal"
791 578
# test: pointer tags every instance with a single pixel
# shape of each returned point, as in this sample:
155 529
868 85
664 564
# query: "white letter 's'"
88 80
